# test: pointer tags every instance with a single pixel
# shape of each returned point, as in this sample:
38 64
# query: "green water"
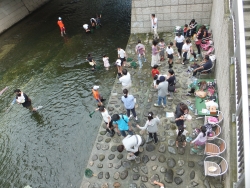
51 148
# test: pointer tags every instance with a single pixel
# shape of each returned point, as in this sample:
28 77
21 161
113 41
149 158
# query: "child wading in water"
106 62
170 53
162 46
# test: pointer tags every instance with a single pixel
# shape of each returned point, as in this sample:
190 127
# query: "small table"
200 103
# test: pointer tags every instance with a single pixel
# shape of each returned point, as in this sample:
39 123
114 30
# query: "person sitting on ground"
158 183
91 61
106 61
93 22
125 79
200 139
129 103
155 70
107 119
181 138
97 96
122 124
181 110
206 64
86 27
131 143
98 20
152 127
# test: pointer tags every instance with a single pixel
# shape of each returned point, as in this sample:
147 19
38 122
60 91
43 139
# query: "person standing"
155 71
155 54
125 79
91 61
131 143
178 42
170 53
106 61
162 93
129 103
121 55
187 48
154 26
171 83
97 95
61 25
192 28
162 47
22 98
86 27
121 122
107 119
181 138
181 110
152 127
98 20
140 51
119 67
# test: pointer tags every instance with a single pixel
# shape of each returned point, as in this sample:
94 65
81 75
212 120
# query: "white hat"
96 87
59 18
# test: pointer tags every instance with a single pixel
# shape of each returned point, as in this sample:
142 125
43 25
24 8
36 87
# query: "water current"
51 148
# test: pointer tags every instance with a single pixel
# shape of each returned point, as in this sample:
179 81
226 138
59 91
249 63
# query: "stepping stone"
138 159
136 176
118 165
162 148
194 184
150 147
180 171
144 169
117 185
124 174
116 175
192 174
136 169
161 158
111 156
181 151
105 147
171 163
171 142
163 170
154 167
100 165
145 159
98 146
91 163
169 176
181 163
178 180
100 175
101 157
126 164
100 138
108 140
191 164
114 148
142 185
132 185
171 150
110 165
103 132
94 157
120 156
144 178
105 185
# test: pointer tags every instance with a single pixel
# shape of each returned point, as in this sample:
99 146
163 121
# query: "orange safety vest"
96 94
60 23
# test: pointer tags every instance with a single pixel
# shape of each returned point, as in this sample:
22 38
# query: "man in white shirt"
119 67
125 79
187 48
154 26
131 144
121 55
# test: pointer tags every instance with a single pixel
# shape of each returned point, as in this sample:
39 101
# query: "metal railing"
241 93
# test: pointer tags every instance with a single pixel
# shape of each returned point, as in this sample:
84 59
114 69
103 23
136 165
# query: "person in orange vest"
61 25
99 99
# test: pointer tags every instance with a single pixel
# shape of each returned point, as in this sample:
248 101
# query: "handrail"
241 96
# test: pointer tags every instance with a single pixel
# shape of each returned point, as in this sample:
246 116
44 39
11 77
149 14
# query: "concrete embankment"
175 167
13 11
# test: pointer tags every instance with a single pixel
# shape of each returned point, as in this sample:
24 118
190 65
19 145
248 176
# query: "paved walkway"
163 161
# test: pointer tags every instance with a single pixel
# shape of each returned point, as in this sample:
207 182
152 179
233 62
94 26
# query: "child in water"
106 62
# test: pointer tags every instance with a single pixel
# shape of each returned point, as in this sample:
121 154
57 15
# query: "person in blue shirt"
121 122
205 65
129 103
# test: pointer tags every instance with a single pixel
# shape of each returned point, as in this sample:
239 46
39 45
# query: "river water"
51 148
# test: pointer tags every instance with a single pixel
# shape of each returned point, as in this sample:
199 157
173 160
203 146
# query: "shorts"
170 56
122 59
62 29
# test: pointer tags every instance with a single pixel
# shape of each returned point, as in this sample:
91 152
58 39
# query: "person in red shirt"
61 25
155 70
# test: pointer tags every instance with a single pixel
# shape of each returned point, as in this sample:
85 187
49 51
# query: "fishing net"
88 173
129 59
133 64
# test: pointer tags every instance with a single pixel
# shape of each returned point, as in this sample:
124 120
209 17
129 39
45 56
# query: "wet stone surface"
164 162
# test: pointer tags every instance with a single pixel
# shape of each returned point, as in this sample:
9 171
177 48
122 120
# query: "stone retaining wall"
13 11
170 13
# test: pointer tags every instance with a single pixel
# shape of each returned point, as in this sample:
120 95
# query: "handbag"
200 93
171 88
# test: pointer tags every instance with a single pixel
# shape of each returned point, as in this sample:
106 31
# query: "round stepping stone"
144 169
191 164
100 165
126 164
124 174
178 180
105 185
154 178
105 147
98 146
100 175
120 156
154 167
162 148
144 178
114 148
103 132
100 138
117 185
118 165
138 159
181 163
142 185
91 163
108 140
136 176
145 159
163 170
110 165
150 147
180 171
181 151
161 158
153 157
171 150
101 157
192 175
171 142
171 163
116 175
111 156
167 127
169 175
116 140
132 185
94 157
136 169
107 176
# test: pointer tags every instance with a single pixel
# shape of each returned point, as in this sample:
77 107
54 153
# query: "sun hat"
59 18
96 87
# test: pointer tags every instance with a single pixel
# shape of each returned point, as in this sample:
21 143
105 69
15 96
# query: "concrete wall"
170 13
12 11
222 29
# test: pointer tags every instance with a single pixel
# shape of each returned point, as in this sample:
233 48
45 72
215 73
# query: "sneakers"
179 57
159 64
156 105
163 106
170 98
156 142
136 118
130 116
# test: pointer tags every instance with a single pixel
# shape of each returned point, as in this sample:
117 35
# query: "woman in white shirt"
200 139
187 48
170 53
106 62
179 41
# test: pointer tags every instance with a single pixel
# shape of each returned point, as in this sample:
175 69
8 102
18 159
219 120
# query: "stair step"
248 71
247 35
247 42
247 54
246 2
246 16
248 62
246 8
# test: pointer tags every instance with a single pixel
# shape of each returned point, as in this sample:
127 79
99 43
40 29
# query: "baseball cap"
59 18
150 114
96 87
